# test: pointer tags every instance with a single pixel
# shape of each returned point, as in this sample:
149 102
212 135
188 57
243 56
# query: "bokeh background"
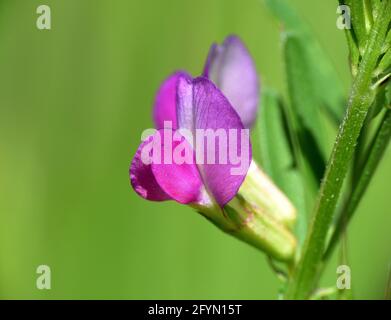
73 103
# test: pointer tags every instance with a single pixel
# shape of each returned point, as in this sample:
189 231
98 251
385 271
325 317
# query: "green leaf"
387 42
301 88
276 153
352 41
368 14
308 124
388 95
278 157
359 24
375 8
378 104
385 62
354 54
321 71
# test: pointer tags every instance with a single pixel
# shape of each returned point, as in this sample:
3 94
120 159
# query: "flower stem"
375 154
304 279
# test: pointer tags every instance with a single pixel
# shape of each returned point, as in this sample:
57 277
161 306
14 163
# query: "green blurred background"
73 103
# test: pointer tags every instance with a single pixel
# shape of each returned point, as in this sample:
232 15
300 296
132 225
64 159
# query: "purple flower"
199 106
207 170
194 104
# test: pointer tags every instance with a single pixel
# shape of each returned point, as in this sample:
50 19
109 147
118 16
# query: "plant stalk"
305 276
376 152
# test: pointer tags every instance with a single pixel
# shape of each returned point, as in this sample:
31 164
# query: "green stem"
376 152
305 276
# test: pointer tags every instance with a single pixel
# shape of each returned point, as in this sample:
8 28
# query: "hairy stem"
376 152
305 276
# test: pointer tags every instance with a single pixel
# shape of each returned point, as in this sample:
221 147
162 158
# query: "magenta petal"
232 69
142 179
180 180
165 102
201 105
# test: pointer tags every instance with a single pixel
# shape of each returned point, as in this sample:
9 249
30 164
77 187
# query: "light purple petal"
181 181
142 179
201 105
232 69
185 108
165 102
211 58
